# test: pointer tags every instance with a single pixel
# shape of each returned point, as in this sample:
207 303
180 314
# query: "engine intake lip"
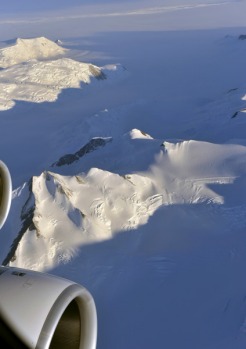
42 311
71 322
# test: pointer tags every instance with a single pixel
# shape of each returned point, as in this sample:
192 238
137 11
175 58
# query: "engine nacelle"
5 192
42 311
38 310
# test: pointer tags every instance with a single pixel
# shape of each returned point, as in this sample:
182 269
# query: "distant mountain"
24 50
36 70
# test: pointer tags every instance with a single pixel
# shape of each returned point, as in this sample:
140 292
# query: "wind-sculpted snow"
70 212
33 72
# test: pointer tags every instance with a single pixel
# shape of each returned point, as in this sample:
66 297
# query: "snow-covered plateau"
32 74
127 149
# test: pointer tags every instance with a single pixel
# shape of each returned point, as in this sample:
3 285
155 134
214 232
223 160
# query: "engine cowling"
42 311
5 193
39 310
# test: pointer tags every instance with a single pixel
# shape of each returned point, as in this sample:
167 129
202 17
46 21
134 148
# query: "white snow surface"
24 50
71 211
33 73
133 187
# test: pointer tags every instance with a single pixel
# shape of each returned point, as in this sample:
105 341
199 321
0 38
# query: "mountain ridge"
96 205
37 70
23 50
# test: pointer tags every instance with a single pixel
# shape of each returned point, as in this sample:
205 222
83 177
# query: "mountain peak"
135 133
26 49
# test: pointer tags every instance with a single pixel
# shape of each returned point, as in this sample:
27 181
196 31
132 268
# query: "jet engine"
5 192
38 310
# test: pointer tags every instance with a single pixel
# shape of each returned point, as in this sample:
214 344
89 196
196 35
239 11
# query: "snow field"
33 72
152 222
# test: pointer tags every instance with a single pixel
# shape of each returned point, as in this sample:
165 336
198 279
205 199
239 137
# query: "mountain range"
153 225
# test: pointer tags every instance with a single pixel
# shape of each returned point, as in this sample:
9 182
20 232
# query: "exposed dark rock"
58 42
98 74
27 214
242 37
92 145
232 90
235 114
143 133
66 160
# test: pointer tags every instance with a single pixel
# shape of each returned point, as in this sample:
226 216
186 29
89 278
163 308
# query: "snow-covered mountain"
172 226
134 187
23 50
62 213
33 70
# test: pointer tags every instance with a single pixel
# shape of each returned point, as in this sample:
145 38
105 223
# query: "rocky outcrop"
92 145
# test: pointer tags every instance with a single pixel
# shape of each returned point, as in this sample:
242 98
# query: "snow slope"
161 247
99 204
32 72
26 49
134 188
